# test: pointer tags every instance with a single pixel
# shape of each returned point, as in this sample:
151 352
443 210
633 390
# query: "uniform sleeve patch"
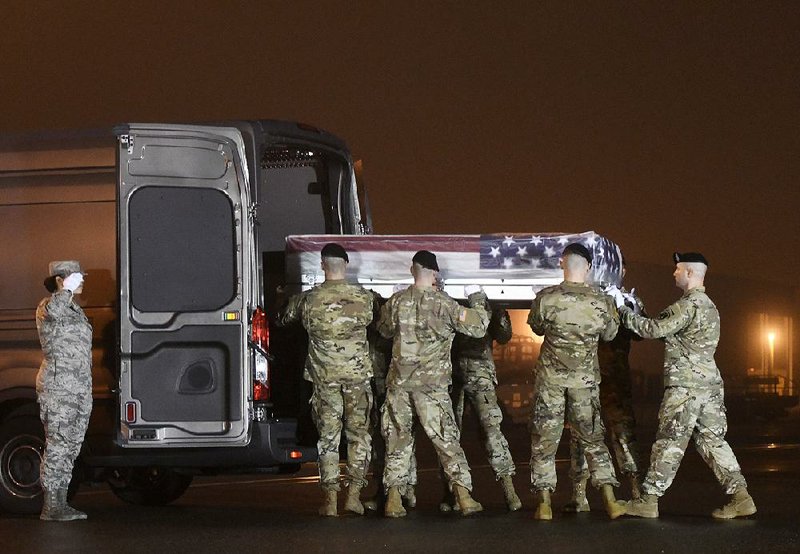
462 315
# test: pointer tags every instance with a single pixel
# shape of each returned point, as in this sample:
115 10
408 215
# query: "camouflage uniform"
63 385
336 315
423 322
475 379
380 351
572 317
692 406
616 406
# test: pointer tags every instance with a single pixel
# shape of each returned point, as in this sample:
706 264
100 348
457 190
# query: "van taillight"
259 334
260 391
130 412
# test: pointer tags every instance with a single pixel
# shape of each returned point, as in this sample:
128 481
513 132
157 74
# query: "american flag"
466 257
531 252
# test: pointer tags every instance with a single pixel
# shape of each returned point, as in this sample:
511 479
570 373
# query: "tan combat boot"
328 507
741 504
448 503
352 501
466 503
376 502
410 496
544 510
614 509
578 503
512 499
394 504
645 506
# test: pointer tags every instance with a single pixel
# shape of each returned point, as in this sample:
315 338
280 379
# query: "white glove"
73 282
399 287
616 294
472 289
632 302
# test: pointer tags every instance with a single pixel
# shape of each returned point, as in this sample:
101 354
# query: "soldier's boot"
466 503
62 499
578 502
614 509
544 510
352 501
741 504
53 510
410 496
376 502
636 487
448 503
645 506
512 499
394 504
328 508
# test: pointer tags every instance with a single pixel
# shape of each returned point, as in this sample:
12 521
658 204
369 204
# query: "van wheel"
148 486
21 449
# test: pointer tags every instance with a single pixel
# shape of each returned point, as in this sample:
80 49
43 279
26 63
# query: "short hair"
334 263
574 261
417 268
698 268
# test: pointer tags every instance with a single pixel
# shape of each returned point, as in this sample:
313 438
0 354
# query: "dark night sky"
663 125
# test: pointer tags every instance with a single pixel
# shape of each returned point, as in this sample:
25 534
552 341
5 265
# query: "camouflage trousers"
379 446
435 413
582 410
483 399
616 407
698 414
65 418
335 407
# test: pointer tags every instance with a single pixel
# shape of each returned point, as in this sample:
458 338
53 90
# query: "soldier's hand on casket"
616 295
399 287
472 289
73 281
632 302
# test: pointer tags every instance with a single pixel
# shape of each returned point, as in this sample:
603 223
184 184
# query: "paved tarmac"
269 513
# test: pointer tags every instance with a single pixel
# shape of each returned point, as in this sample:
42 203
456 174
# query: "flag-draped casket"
508 266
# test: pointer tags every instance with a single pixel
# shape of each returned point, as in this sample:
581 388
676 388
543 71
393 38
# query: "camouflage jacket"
690 328
613 354
335 314
423 322
66 338
572 318
380 348
473 356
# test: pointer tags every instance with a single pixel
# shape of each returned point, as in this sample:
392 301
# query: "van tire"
148 486
21 449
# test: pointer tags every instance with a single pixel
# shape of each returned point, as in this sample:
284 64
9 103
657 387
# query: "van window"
298 194
182 249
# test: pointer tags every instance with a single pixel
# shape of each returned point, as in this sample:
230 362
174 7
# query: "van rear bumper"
273 444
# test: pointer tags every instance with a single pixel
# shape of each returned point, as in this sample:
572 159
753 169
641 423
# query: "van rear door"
186 267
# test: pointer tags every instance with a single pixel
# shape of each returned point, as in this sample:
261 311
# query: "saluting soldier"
692 406
335 315
571 317
63 384
423 321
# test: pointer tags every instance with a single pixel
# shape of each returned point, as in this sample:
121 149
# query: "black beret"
578 249
333 250
690 257
426 259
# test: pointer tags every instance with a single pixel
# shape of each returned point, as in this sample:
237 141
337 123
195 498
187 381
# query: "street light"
771 339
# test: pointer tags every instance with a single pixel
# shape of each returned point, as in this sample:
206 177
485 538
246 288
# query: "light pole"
771 339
